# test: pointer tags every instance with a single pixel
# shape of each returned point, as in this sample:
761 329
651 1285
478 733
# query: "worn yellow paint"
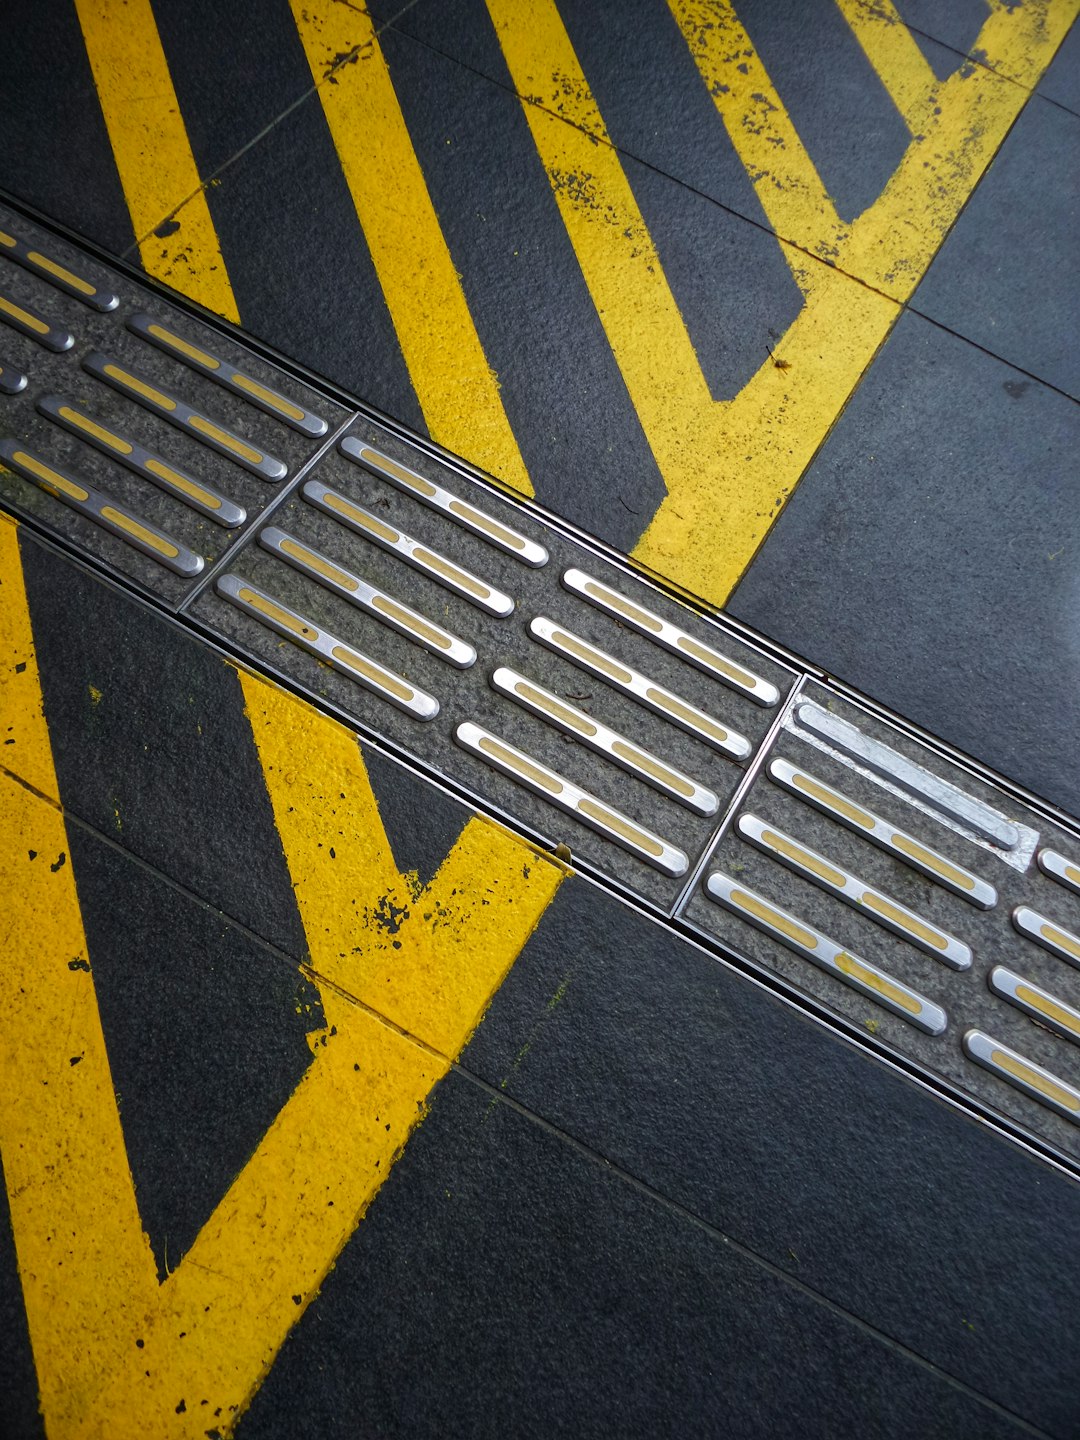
729 466
429 960
153 155
20 692
117 1352
457 389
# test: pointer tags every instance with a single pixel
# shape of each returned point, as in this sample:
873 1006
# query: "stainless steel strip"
867 900
1033 1000
326 646
1065 871
654 697
384 607
96 505
462 512
12 382
191 421
297 417
604 741
1062 943
883 760
891 838
160 472
559 791
28 322
809 943
56 274
1023 1074
413 552
678 642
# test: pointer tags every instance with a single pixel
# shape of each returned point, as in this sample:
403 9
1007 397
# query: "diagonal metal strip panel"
912 899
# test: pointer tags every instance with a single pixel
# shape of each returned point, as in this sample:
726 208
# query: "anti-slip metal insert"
851 865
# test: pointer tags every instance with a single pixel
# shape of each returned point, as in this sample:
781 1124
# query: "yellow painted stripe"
20 691
896 57
86 1268
457 389
153 155
116 1352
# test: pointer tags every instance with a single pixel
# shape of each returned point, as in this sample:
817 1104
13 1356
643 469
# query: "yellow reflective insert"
910 923
184 347
832 800
50 476
620 825
318 564
1057 1093
140 532
415 624
181 482
8 307
268 397
753 906
76 282
520 765
275 612
1061 939
231 442
886 988
90 427
1050 1008
371 672
129 382
783 846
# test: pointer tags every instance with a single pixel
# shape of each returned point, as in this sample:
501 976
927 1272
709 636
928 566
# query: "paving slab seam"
596 1158
132 251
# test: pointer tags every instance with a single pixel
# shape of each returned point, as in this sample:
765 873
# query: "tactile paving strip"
909 896
913 899
128 427
556 687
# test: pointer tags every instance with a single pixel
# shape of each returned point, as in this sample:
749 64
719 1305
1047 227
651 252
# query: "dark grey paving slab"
56 153
1008 276
930 556
503 1283
1061 83
827 1163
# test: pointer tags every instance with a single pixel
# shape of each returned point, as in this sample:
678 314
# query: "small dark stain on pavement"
79 964
167 228
1016 388
61 862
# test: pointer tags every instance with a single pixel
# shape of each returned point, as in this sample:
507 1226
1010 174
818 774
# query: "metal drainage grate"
917 902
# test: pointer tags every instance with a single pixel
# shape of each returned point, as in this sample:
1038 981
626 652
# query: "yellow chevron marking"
729 466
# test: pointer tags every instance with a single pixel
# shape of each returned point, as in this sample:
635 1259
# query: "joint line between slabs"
598 1159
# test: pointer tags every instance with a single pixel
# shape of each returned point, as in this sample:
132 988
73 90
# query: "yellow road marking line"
895 55
730 466
457 389
153 155
147 1354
